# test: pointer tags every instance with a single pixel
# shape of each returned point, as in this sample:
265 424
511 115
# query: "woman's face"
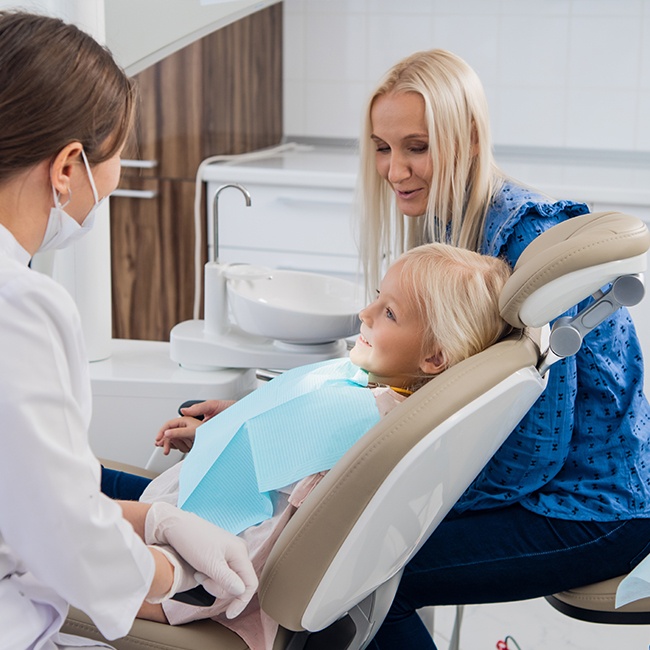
402 158
390 343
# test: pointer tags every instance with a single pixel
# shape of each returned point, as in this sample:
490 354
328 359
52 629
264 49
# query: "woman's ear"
434 364
62 166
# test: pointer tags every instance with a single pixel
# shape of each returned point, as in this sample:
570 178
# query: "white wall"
558 73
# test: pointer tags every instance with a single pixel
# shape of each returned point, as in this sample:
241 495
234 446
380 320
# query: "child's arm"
207 409
179 433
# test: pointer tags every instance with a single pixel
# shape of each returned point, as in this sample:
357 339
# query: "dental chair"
333 573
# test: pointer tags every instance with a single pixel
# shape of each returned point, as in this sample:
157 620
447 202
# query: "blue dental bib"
298 424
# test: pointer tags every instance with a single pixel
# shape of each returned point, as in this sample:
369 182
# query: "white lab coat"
61 541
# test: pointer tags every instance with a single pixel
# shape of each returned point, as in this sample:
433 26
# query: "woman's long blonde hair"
465 175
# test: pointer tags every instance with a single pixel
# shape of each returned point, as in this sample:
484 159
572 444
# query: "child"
437 306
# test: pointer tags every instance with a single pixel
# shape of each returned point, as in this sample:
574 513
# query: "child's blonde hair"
456 293
465 175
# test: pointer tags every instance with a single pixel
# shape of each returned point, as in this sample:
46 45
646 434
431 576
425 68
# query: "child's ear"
434 364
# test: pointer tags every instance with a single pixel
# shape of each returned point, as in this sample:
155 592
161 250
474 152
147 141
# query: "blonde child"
437 306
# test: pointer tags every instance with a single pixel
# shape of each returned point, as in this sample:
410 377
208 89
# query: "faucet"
247 196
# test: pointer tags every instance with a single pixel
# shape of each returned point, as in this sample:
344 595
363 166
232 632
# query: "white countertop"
320 166
617 183
600 179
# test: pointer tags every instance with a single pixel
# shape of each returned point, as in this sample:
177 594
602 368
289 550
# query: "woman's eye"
420 148
383 149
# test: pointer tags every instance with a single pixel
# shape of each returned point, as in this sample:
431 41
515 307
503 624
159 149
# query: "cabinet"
219 95
301 213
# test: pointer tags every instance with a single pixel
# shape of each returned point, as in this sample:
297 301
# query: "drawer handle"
135 194
290 200
139 164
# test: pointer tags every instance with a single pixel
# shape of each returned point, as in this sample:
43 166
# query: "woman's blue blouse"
580 452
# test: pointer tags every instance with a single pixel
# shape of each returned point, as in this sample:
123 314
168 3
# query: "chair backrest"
374 509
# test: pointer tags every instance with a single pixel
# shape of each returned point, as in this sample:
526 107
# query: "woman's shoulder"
33 292
517 214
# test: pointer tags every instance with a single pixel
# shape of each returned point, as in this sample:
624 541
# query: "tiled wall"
558 73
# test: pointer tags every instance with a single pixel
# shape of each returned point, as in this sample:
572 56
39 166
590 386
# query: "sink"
293 306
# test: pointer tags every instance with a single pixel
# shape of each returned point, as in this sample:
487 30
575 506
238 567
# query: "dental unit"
261 318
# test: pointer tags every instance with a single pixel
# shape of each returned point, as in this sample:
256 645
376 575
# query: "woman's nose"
399 169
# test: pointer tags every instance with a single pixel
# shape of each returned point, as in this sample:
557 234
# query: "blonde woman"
566 500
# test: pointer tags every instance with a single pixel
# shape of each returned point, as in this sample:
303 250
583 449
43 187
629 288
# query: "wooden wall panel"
221 95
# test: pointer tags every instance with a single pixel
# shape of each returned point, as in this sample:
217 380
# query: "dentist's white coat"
61 541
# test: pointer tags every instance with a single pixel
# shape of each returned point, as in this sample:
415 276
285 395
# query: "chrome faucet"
247 196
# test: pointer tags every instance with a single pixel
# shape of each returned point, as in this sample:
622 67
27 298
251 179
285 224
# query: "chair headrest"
570 262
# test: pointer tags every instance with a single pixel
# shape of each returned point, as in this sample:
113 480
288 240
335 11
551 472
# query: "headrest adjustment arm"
567 332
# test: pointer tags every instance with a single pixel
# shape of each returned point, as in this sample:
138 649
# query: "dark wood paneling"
152 249
220 95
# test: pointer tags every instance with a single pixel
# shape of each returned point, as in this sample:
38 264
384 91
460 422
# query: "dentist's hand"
220 559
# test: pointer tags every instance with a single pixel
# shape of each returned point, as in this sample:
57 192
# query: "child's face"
390 343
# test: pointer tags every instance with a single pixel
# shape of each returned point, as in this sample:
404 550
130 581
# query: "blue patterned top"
580 453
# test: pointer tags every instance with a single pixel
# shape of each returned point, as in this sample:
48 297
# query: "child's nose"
363 315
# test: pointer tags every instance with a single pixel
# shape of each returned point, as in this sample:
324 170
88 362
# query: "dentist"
65 112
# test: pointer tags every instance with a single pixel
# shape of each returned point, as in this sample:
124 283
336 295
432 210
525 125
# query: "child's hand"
208 409
177 434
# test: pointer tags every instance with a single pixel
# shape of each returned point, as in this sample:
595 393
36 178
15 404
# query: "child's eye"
389 314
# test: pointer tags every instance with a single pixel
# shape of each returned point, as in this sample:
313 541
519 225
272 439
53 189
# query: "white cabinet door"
144 32
289 227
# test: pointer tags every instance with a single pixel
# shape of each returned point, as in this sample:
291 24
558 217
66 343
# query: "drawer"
309 221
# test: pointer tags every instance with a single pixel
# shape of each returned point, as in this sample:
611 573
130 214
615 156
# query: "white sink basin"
293 306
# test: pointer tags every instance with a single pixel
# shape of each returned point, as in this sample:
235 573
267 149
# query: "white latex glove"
183 574
220 558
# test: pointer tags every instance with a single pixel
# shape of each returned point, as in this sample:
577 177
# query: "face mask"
62 229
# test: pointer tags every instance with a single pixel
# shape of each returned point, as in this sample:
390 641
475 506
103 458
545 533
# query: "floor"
534 625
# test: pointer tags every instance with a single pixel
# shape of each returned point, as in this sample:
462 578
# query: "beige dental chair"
333 573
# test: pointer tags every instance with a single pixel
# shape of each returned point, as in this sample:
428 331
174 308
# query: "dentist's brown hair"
57 86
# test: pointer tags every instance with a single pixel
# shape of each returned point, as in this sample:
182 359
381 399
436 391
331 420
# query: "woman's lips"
407 194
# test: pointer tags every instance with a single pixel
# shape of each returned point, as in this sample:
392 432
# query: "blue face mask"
62 229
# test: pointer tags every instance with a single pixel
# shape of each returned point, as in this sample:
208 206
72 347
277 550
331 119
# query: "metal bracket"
568 332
